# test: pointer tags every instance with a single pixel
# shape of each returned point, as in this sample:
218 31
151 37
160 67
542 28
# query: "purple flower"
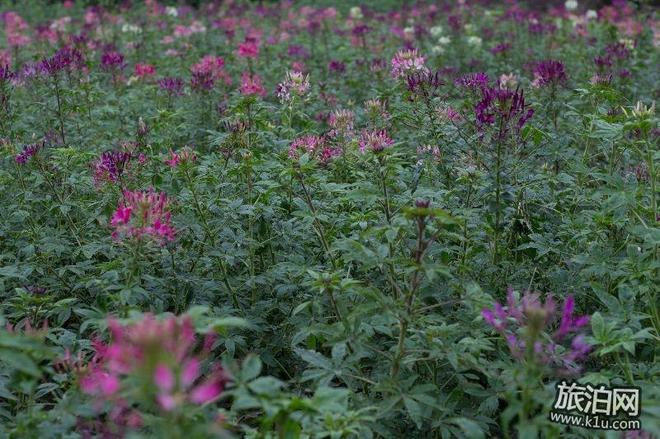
500 48
549 72
524 323
173 86
110 166
202 80
501 104
28 152
336 66
474 81
112 60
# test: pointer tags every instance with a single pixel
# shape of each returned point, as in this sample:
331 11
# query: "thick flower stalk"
143 214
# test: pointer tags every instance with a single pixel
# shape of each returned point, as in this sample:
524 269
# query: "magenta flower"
374 141
251 85
248 49
525 322
173 86
406 62
144 70
549 72
143 214
161 351
112 60
110 166
28 152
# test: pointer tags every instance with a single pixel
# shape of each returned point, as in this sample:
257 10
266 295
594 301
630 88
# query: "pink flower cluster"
251 85
295 83
374 141
315 146
159 353
185 155
406 62
524 324
110 166
144 70
143 214
15 28
212 66
248 49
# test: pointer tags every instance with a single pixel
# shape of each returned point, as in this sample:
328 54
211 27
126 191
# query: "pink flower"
143 214
375 141
251 85
406 62
160 349
144 70
248 49
524 321
164 378
174 161
205 392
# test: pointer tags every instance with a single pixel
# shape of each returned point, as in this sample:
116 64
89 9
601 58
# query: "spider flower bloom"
248 49
144 70
525 324
473 81
159 352
110 166
172 86
213 66
28 152
504 105
185 155
251 85
307 144
112 61
549 72
295 83
143 214
406 62
202 81
342 120
375 141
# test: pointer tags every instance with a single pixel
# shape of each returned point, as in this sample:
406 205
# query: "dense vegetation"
287 221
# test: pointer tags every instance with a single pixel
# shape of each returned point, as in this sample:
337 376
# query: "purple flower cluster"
110 166
524 325
28 152
173 86
112 60
549 72
424 83
507 106
473 81
65 59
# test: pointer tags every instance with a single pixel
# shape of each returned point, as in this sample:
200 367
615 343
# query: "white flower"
468 27
438 50
356 13
444 41
474 41
436 31
571 5
591 14
127 27
409 30
171 11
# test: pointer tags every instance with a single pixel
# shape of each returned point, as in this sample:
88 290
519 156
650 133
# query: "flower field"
328 220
